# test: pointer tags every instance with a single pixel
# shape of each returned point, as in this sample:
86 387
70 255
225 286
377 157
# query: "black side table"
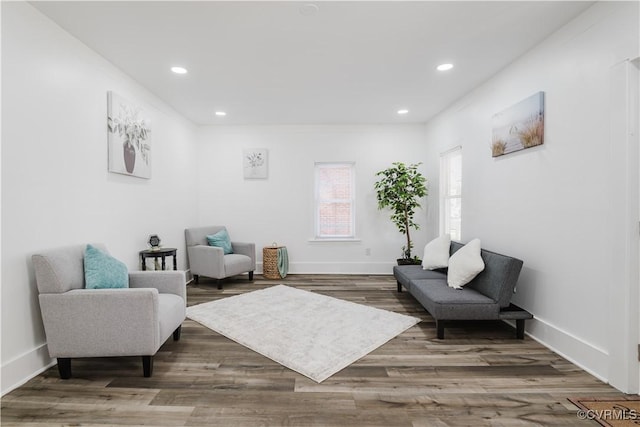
159 253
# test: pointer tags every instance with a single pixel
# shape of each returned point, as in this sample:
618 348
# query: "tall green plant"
401 189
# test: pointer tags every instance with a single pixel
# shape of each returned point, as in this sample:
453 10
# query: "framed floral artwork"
129 137
254 163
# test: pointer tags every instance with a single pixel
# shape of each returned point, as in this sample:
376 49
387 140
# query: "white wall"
554 206
280 208
55 186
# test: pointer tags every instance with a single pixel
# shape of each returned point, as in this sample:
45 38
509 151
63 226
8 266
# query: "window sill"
335 240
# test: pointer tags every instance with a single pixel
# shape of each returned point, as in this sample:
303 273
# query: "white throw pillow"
436 253
465 264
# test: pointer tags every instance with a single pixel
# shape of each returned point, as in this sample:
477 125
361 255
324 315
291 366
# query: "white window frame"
317 202
445 196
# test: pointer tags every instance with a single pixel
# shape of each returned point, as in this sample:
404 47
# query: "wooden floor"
479 375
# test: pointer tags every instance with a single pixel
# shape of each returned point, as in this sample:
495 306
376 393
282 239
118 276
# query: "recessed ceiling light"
403 111
220 113
179 70
444 67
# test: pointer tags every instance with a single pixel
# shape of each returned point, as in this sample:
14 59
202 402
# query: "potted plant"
401 189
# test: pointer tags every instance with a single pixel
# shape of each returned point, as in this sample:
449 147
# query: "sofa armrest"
166 282
101 322
206 261
248 249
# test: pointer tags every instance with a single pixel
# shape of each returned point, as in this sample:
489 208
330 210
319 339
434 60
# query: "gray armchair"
210 261
81 322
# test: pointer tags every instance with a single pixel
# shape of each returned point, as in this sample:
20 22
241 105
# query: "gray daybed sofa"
486 297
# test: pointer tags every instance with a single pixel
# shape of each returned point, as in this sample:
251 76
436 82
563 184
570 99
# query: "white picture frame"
255 163
129 137
519 127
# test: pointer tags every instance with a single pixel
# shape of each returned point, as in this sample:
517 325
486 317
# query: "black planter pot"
408 261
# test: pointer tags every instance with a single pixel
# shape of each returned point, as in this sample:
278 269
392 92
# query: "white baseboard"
21 369
587 356
337 268
188 276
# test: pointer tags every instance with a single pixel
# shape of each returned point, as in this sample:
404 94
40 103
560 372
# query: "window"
451 193
335 195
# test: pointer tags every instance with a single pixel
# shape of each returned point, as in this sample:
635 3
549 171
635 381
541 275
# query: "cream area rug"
312 334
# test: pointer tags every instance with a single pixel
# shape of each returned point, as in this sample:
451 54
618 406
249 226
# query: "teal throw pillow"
222 240
102 271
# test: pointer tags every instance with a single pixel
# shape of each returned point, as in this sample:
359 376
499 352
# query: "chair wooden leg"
196 278
251 276
147 366
176 333
219 282
440 329
399 287
64 367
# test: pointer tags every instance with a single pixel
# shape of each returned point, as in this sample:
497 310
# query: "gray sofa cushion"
237 264
198 235
499 277
406 273
61 269
444 302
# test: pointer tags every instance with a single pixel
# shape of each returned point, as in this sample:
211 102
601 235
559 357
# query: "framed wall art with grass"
519 126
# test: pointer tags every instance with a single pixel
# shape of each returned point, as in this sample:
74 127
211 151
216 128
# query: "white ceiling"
272 63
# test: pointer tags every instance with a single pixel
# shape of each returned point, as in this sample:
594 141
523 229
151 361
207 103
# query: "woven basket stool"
270 262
